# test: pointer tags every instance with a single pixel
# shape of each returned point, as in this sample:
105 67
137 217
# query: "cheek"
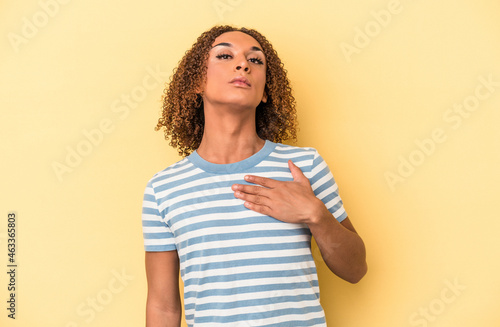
262 79
262 75
213 76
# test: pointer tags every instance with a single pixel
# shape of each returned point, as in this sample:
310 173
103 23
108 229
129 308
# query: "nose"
240 67
243 65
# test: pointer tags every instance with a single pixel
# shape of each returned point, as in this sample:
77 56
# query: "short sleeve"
157 235
325 188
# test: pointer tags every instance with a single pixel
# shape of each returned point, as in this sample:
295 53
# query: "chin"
243 103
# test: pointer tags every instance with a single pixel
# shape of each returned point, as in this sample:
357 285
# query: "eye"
256 60
223 56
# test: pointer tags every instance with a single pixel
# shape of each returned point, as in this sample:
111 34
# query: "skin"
163 304
230 136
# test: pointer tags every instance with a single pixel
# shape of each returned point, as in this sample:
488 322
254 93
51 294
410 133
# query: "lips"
240 80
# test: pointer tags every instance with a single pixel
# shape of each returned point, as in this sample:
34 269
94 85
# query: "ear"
199 90
201 87
264 97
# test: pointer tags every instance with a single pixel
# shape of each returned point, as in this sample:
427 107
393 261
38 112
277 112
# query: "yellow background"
364 110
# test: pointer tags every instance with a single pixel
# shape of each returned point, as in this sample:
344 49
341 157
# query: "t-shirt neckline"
234 167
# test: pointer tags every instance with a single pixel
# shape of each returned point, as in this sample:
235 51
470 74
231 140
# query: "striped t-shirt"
239 267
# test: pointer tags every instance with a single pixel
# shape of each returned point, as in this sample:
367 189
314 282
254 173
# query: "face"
236 72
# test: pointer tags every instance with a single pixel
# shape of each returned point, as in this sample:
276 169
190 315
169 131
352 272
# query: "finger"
259 208
250 189
254 199
297 174
263 181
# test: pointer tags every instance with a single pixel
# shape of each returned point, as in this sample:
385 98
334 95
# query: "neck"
229 138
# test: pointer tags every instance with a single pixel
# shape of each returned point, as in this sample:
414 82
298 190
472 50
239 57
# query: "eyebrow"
225 44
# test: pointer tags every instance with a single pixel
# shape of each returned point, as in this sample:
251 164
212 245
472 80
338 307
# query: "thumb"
297 174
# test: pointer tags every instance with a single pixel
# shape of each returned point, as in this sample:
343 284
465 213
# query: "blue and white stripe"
239 267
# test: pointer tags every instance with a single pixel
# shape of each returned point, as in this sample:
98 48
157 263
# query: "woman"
236 215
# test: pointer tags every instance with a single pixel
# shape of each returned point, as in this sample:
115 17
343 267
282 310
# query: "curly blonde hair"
182 115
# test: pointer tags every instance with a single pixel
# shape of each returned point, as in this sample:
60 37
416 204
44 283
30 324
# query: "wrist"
318 213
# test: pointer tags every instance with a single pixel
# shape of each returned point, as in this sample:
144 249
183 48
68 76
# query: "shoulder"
303 157
170 173
294 151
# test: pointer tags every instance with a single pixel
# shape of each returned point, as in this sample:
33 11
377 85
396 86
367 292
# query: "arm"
163 307
341 247
295 202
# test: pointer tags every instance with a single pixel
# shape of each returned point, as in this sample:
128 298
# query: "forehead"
237 38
